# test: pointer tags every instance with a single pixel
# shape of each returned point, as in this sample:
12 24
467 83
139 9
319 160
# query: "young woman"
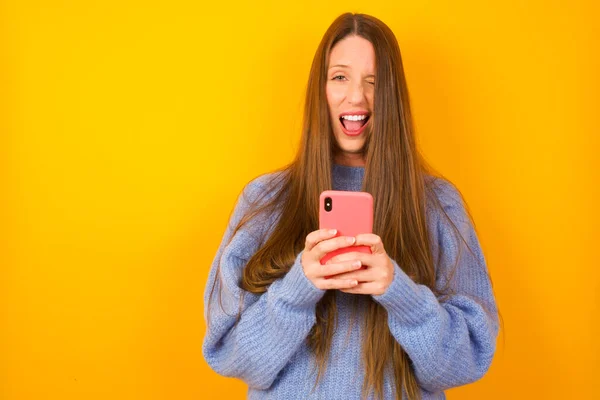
419 319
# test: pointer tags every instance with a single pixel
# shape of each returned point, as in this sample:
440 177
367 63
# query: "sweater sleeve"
271 326
451 342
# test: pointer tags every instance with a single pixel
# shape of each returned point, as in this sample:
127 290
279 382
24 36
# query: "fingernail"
356 264
332 231
354 283
351 239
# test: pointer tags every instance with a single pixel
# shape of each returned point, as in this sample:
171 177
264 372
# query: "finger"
329 245
340 268
364 258
342 284
317 236
361 275
371 240
371 288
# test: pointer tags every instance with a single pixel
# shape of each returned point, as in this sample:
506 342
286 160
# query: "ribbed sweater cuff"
407 301
297 289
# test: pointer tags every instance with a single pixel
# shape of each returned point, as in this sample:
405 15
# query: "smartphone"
351 213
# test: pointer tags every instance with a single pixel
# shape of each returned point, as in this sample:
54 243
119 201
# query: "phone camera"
328 204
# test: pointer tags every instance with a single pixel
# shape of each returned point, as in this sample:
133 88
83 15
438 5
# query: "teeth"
354 117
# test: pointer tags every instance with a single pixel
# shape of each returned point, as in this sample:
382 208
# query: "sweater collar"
347 178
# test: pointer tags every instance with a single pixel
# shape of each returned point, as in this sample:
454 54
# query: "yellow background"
129 128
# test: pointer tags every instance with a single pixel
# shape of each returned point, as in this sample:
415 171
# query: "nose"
355 94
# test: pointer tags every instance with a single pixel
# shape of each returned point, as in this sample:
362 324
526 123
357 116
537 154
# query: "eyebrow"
339 65
346 66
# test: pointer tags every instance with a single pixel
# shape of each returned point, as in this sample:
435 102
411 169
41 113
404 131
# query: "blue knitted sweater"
450 342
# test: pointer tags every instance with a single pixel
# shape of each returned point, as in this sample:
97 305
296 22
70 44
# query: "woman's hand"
378 275
318 244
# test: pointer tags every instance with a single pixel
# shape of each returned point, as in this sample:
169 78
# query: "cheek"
328 94
334 95
370 96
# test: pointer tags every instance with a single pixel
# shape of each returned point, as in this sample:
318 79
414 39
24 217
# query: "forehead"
355 52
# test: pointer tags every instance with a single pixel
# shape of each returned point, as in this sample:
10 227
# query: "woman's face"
350 89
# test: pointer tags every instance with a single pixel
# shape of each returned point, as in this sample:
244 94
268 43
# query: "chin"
354 147
352 150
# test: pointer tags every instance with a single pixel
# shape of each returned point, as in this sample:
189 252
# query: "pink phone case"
351 214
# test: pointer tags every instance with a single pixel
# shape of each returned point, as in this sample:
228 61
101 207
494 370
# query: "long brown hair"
395 174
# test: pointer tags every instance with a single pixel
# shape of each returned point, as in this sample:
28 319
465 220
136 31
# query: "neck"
349 159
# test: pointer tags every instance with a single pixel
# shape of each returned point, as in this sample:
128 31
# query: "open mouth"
354 124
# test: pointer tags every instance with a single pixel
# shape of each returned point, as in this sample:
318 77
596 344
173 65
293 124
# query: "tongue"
353 125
